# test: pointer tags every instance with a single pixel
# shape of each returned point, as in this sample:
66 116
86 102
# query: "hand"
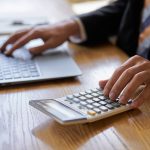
52 35
127 78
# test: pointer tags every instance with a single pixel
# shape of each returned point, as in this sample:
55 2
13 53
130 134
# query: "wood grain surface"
24 128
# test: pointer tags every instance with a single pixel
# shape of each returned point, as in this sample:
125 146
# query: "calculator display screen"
60 111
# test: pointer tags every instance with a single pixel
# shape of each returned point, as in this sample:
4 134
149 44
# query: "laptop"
22 68
9 25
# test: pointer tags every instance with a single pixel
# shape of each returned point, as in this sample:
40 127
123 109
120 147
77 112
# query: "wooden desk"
24 128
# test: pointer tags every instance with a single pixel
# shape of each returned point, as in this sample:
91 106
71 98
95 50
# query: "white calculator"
88 106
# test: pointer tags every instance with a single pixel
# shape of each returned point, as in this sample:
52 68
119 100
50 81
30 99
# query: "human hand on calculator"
52 35
127 78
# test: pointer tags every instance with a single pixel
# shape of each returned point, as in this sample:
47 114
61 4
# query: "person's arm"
52 36
127 78
98 25
105 22
80 37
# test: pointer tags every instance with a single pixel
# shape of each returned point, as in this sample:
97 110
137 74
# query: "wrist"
71 28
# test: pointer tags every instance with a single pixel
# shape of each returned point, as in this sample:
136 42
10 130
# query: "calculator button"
109 106
89 101
100 92
89 96
66 100
83 103
97 110
76 100
96 99
76 95
82 98
70 97
116 104
94 90
80 107
102 102
88 91
95 94
70 102
102 98
96 104
108 101
103 108
89 106
82 93
91 112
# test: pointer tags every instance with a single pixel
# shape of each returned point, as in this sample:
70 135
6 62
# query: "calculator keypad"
92 102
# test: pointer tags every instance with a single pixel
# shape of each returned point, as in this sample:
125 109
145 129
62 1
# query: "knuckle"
129 72
138 77
146 75
120 69
146 64
136 57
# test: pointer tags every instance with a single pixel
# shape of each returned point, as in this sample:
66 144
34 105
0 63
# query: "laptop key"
1 78
11 68
26 75
35 74
8 77
103 108
16 76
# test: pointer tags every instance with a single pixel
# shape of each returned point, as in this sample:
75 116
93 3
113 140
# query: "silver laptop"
53 64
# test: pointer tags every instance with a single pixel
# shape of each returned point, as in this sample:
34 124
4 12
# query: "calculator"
88 106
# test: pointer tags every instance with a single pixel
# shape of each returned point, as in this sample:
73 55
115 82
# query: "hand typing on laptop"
24 44
20 53
52 36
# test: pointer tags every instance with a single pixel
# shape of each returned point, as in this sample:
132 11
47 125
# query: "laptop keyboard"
11 68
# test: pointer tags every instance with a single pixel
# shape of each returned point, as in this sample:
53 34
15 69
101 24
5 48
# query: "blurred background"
39 11
84 6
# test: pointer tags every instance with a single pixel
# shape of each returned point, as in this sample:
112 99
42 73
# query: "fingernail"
112 96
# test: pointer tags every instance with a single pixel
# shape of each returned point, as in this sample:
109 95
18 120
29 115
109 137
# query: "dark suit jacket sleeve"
104 22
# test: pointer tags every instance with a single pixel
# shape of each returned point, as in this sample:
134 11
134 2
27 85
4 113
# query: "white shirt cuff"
79 38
